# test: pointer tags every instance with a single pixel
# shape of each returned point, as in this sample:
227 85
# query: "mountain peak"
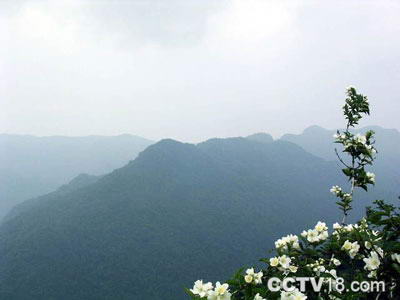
261 137
314 129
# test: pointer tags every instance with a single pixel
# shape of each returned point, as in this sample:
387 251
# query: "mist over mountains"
318 141
176 213
31 166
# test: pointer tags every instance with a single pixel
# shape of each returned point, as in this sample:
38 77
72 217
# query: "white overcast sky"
194 69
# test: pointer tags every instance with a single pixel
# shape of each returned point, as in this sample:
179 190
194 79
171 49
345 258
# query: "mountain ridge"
175 211
32 166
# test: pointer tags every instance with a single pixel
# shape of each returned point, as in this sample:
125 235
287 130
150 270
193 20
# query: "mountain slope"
175 213
80 181
32 166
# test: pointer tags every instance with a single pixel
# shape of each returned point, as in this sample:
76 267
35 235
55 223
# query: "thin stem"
353 184
352 179
340 159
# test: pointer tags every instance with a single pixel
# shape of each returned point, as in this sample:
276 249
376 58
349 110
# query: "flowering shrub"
363 252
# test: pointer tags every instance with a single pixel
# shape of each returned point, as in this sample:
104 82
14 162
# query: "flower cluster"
252 277
206 291
316 235
351 248
293 295
221 292
356 244
286 241
202 289
318 266
358 141
366 249
283 263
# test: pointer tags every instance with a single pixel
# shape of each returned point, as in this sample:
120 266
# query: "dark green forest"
176 213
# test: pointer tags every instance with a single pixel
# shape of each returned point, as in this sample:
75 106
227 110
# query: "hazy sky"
194 69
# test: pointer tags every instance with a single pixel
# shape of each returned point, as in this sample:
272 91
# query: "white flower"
290 239
258 277
372 274
351 248
354 249
280 244
249 275
293 269
371 149
379 250
333 273
321 226
201 289
349 227
336 262
312 236
371 177
293 295
319 233
335 190
337 226
252 276
284 261
274 261
361 138
372 262
258 297
319 269
248 278
221 292
323 235
396 257
346 246
296 245
367 245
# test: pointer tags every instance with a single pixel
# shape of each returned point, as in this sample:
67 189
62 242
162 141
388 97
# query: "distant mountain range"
31 166
318 141
176 213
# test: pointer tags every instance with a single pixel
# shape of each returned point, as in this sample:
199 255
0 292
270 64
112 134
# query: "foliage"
342 261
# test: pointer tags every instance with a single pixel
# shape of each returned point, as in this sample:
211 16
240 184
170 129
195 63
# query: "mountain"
80 181
261 137
31 166
176 213
318 141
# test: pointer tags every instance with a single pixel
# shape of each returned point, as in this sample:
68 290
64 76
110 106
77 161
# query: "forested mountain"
76 183
176 213
31 166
